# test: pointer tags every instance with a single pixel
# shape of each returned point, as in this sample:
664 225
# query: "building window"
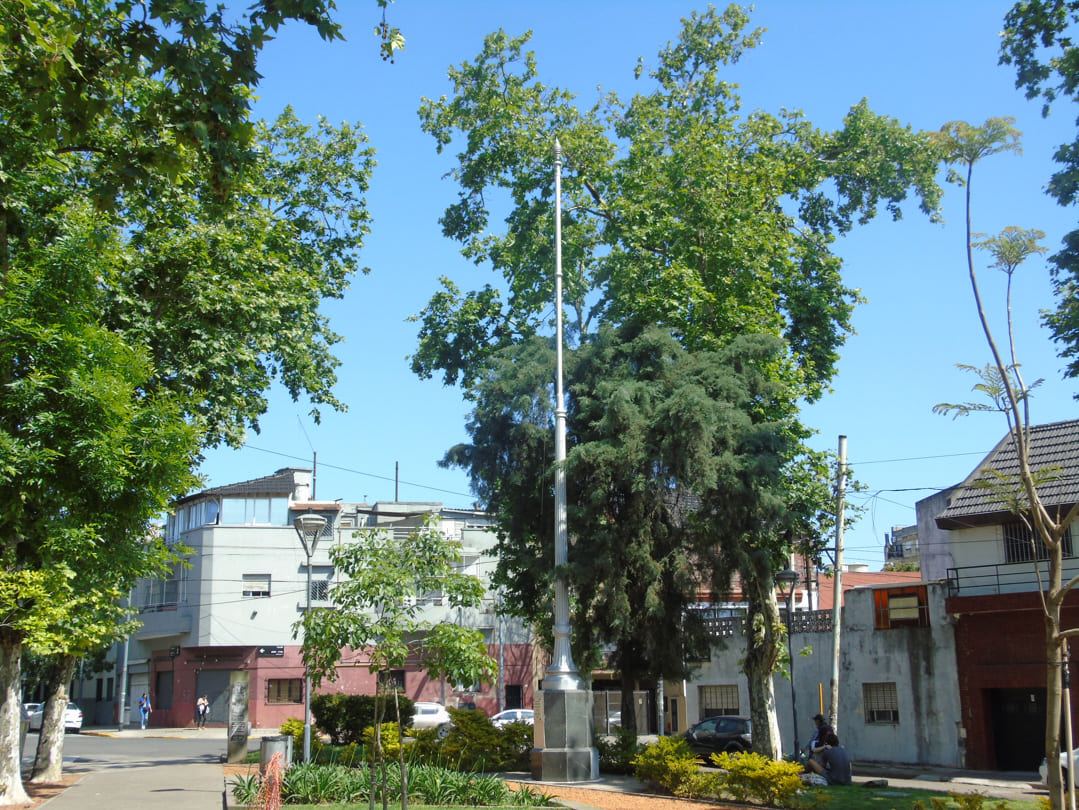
254 511
902 607
394 679
1020 546
881 703
718 700
321 577
284 690
256 585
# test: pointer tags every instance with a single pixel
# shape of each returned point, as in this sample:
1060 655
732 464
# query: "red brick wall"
1000 644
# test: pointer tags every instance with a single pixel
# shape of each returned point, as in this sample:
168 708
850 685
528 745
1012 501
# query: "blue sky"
925 63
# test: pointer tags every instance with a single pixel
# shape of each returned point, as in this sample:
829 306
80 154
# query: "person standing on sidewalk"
144 710
202 708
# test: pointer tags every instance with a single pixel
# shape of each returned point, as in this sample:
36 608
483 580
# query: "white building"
235 602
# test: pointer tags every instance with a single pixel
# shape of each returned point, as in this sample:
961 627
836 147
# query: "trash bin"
275 744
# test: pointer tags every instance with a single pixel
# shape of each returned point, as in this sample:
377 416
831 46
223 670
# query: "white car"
431 715
508 716
1044 769
72 718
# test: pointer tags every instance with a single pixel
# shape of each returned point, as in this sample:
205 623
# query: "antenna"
314 458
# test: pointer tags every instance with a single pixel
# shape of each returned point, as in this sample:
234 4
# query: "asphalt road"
84 752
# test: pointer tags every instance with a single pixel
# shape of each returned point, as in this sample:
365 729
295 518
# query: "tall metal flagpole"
564 725
562 674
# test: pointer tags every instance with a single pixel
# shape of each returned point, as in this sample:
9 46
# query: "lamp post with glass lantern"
787 580
309 527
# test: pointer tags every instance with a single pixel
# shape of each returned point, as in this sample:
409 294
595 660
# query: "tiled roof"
1052 446
280 483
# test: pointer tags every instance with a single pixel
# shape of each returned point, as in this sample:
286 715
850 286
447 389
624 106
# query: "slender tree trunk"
763 640
11 789
1054 685
49 760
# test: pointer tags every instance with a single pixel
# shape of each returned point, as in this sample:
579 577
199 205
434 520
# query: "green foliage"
474 744
390 741
682 212
618 755
377 608
758 779
428 785
344 718
669 764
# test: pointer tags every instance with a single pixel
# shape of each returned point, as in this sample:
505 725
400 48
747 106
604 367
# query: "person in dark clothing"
816 742
834 762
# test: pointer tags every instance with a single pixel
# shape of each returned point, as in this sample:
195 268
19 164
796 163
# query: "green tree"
162 259
1006 391
668 449
87 455
379 609
1038 39
682 211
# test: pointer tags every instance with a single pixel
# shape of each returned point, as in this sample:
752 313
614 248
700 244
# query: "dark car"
715 735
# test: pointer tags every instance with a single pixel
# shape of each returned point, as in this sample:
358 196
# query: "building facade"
234 603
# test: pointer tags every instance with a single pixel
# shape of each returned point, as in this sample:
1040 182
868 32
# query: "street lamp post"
787 580
309 527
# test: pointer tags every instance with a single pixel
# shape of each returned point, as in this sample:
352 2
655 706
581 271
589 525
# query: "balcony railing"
986 580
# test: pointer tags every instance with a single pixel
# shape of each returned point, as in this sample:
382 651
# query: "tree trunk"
762 657
11 789
49 760
1053 679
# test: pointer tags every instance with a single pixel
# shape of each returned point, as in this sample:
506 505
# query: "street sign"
271 652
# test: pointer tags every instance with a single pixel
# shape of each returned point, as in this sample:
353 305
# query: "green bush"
617 755
758 779
346 717
669 764
473 744
391 745
322 784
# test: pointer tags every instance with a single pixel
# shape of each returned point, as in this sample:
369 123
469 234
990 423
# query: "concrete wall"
920 661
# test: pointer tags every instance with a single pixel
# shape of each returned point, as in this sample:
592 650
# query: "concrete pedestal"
564 750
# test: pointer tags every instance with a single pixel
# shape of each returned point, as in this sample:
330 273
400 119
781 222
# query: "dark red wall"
1000 644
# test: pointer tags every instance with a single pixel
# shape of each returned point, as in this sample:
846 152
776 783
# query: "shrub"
669 764
391 746
756 778
346 717
617 755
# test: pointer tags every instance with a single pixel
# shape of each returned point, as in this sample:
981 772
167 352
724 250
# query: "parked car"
504 718
29 708
72 718
1044 769
715 735
432 715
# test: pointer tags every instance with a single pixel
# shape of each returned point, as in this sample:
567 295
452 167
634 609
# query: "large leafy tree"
667 448
87 455
1038 39
681 211
162 259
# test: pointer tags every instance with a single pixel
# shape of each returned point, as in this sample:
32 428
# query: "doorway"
1018 717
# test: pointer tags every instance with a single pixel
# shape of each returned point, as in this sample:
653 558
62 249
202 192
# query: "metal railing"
1000 578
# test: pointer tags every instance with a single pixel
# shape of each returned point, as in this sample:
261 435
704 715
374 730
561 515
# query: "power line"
359 472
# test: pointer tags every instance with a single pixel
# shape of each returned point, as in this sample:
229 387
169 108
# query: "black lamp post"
787 580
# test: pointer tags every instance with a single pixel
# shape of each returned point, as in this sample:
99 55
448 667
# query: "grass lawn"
856 797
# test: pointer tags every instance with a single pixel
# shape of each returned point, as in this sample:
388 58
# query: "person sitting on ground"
816 742
834 763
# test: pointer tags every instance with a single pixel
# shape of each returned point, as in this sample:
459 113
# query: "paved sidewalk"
197 786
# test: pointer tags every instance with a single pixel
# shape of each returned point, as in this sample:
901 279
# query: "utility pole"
837 594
